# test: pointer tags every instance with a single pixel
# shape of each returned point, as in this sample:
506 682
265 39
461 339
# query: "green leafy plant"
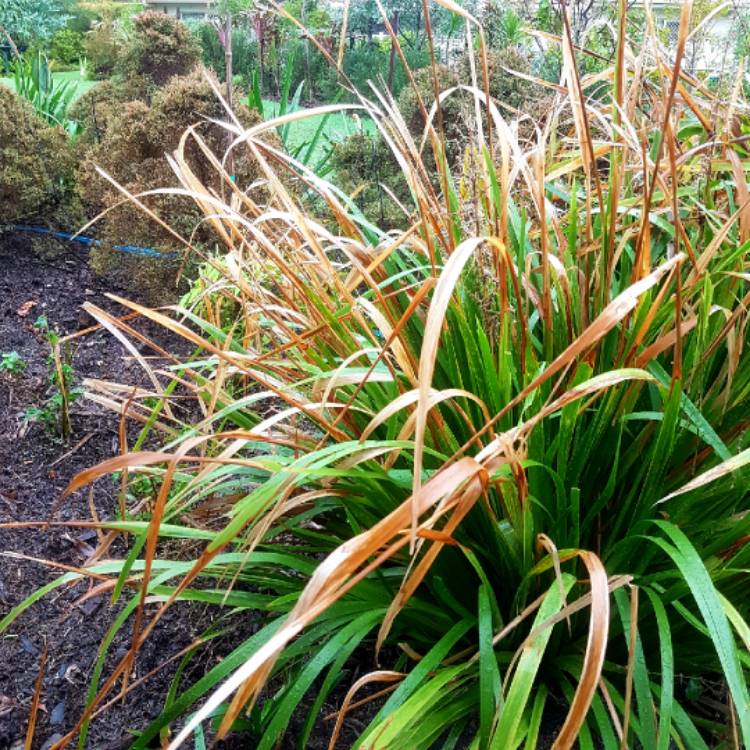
503 452
34 81
30 21
102 45
12 363
54 413
66 47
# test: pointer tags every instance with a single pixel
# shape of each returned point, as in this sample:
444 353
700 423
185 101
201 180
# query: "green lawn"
338 126
83 84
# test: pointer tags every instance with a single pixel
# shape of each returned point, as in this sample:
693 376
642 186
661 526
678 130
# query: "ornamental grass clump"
365 165
488 473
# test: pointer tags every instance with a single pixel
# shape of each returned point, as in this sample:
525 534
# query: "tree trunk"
229 76
306 41
392 60
228 56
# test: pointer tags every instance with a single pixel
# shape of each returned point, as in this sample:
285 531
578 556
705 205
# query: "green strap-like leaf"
690 565
516 703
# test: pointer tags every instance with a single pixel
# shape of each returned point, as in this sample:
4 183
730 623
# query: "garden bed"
35 468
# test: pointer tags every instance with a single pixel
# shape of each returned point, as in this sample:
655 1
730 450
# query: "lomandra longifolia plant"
485 474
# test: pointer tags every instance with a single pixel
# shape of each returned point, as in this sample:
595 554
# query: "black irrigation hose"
148 252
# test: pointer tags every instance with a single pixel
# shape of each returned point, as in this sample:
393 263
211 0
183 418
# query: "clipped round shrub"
454 119
100 106
508 89
37 167
160 48
363 165
132 150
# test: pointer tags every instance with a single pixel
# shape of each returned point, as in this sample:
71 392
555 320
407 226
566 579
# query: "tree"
28 21
365 17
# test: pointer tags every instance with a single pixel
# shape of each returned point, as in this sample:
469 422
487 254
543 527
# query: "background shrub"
101 46
67 46
81 17
161 47
363 62
212 53
309 65
509 90
364 167
453 119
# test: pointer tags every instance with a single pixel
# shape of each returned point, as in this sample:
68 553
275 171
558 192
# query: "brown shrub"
102 104
132 151
160 47
37 168
127 124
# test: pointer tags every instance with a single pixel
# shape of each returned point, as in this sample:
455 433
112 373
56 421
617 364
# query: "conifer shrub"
160 48
515 96
100 106
132 151
136 65
454 119
37 168
510 91
127 125
366 169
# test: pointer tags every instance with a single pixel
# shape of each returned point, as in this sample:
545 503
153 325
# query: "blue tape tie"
147 252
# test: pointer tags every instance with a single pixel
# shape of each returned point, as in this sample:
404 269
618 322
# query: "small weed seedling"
12 363
54 414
